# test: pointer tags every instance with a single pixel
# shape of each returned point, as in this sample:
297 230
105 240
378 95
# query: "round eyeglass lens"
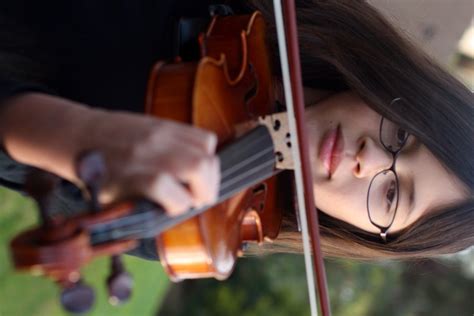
392 136
383 198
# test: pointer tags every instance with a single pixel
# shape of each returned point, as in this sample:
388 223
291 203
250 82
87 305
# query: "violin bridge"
277 125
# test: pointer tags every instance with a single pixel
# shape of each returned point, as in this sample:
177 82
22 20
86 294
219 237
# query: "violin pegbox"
56 249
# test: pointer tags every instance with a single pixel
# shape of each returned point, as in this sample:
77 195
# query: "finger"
184 136
203 179
203 139
215 180
207 144
169 193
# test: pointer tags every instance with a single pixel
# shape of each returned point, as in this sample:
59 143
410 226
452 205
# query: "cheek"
334 201
346 203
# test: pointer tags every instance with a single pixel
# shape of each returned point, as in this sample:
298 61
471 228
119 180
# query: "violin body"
230 84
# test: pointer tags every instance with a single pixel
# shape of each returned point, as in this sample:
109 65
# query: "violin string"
239 167
244 146
246 176
245 171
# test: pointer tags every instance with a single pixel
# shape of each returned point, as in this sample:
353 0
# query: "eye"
401 136
391 194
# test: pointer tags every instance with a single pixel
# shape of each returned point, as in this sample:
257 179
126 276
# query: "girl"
399 184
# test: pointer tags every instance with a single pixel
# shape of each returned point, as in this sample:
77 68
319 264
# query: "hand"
167 162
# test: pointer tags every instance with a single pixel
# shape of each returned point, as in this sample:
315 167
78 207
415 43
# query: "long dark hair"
348 45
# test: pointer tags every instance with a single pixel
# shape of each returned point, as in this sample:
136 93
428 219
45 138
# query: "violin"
228 87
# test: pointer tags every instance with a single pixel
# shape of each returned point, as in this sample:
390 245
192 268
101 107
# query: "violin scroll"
60 247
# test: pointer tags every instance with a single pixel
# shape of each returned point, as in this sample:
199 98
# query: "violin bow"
293 88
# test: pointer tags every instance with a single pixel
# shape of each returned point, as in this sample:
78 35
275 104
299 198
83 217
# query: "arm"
144 156
45 131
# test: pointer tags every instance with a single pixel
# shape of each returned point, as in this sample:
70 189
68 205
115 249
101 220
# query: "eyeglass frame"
395 154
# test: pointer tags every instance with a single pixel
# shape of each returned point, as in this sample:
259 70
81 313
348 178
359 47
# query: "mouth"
330 149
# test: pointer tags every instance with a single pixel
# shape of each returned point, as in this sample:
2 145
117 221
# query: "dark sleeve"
10 88
12 173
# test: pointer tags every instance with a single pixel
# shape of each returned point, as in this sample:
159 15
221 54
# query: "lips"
331 148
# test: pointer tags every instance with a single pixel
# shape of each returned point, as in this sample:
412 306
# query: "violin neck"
248 160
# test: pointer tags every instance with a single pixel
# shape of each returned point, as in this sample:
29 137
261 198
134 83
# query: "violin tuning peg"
90 168
119 283
78 298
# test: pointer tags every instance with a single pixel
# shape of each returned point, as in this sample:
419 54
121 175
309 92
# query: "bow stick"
293 90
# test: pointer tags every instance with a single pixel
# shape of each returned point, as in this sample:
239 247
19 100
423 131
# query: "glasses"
383 193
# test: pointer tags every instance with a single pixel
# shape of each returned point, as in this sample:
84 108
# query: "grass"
25 295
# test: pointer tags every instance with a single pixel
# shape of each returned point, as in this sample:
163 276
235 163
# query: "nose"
371 158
